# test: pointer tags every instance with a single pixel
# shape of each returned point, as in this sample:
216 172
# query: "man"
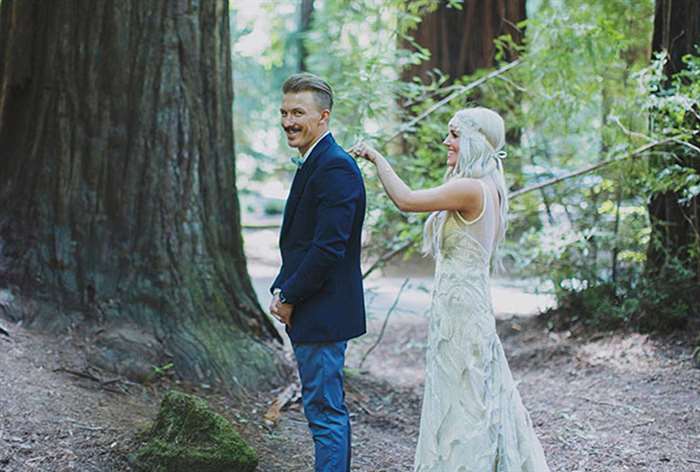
318 292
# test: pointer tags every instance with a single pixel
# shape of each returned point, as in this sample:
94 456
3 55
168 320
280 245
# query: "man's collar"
310 150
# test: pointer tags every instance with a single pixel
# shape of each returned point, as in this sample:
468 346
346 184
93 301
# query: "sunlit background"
583 94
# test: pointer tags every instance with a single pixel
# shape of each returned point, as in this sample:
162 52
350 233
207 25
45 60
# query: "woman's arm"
464 195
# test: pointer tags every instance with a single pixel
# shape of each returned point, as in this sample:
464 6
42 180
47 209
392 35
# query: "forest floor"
599 402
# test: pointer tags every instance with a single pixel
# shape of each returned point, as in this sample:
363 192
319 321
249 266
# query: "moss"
206 345
188 436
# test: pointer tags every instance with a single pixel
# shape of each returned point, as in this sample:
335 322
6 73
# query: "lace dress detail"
472 418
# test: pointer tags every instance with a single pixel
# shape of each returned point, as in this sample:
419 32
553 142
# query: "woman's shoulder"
476 192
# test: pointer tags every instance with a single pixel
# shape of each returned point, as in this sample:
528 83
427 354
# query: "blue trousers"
321 372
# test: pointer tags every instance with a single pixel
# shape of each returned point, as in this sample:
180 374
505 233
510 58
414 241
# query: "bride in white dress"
472 419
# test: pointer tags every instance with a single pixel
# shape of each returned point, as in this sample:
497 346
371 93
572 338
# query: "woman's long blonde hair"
482 135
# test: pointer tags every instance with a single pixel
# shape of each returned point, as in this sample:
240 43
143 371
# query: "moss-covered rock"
188 436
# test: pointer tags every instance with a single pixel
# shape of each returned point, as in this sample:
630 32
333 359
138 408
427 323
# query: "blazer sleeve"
339 191
275 283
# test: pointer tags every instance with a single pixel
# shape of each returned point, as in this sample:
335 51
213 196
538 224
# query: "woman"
472 418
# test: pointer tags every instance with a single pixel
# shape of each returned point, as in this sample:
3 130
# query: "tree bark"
674 225
461 41
118 204
305 17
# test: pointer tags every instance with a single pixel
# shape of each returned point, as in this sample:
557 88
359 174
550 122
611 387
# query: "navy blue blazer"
320 246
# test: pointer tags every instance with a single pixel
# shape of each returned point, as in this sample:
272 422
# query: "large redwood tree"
460 41
118 207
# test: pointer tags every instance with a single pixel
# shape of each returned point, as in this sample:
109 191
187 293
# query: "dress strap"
484 191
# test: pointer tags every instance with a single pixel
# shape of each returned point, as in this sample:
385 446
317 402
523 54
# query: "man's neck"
302 152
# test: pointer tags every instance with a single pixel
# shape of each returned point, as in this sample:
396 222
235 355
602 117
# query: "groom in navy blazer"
318 292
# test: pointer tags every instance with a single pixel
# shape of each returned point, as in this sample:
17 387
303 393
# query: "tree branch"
387 257
386 321
452 96
589 169
586 170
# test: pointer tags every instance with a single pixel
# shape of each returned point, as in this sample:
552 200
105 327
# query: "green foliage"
264 56
667 303
586 92
645 303
355 45
598 307
162 371
274 207
673 108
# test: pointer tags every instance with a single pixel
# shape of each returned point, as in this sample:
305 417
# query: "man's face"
302 119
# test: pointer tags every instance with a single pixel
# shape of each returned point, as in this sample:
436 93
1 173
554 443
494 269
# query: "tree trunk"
118 206
675 225
461 41
305 16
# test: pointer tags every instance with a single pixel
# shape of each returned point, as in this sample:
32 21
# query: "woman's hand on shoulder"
364 151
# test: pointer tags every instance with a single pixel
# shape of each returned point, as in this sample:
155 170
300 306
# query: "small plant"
163 370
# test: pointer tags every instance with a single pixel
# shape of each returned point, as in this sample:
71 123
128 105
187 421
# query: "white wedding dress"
472 418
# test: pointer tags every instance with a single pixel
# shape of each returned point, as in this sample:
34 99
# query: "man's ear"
325 116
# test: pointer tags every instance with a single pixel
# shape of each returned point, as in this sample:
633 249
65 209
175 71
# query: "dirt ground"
605 402
622 402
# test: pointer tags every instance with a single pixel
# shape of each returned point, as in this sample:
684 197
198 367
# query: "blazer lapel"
299 182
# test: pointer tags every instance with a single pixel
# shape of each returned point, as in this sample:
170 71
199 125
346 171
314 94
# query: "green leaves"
585 93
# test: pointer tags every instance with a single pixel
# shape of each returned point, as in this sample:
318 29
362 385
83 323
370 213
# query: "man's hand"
281 311
273 305
284 313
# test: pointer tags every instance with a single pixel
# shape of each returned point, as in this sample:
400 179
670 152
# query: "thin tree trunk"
305 17
118 204
616 233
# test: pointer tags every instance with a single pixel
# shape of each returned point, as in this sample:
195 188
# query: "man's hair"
303 82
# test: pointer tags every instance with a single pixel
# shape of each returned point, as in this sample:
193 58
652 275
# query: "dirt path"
54 416
617 403
622 402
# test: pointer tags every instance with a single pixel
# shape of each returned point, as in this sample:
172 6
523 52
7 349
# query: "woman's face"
452 143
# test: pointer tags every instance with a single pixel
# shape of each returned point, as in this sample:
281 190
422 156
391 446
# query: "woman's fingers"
360 149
